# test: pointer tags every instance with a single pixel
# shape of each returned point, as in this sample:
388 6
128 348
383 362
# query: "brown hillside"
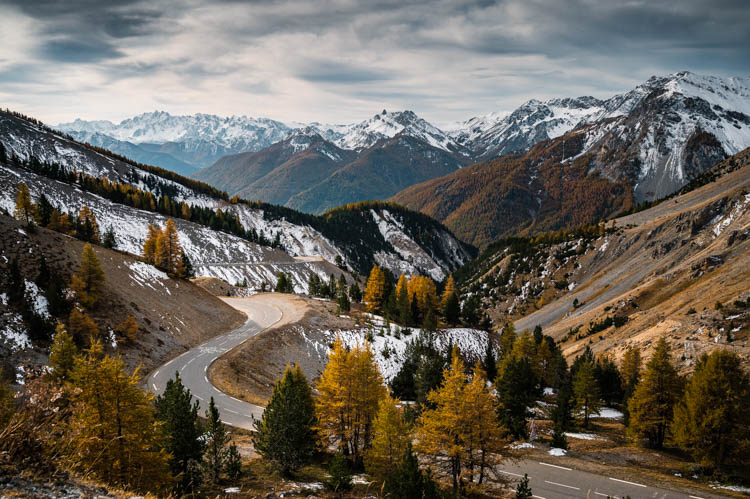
173 315
520 194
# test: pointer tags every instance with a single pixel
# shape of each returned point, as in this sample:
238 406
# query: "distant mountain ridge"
643 135
633 148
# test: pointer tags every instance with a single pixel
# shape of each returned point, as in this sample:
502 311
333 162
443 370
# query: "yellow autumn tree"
62 355
391 436
450 288
113 432
168 254
81 326
25 210
149 247
87 282
461 435
350 389
128 330
375 291
425 291
88 225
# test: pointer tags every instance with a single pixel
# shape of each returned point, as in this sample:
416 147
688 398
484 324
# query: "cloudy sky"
341 61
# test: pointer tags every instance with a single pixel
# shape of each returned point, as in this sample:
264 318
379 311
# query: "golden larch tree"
392 435
114 434
149 246
87 218
375 291
25 210
350 389
88 281
461 435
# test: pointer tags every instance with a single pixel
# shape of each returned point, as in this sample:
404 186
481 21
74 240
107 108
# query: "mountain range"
644 144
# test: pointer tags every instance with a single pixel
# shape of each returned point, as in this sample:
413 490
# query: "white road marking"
198 397
629 483
562 485
154 385
606 495
555 466
188 362
230 410
156 373
538 497
509 473
205 379
697 497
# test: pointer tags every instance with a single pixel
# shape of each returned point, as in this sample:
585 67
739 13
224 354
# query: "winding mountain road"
193 365
547 480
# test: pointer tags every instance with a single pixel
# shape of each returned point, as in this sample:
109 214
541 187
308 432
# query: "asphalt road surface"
193 365
551 481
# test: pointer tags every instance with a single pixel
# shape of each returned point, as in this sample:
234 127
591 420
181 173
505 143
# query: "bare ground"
249 371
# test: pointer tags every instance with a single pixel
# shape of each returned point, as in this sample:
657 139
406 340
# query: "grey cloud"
322 71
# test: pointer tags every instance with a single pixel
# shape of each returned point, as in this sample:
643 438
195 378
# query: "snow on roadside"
557 452
583 436
609 413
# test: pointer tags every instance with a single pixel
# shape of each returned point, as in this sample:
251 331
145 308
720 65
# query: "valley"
593 237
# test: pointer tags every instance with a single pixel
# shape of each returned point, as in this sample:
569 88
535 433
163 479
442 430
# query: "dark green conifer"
182 429
286 434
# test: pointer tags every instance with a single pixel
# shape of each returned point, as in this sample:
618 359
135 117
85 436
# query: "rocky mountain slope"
646 136
305 243
632 148
678 269
172 314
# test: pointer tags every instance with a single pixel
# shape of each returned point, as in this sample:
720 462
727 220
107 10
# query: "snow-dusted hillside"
213 253
643 135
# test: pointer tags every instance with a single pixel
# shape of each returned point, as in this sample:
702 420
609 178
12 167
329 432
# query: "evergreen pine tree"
44 210
215 455
523 491
340 475
451 309
286 433
182 431
489 363
407 481
355 293
517 389
109 240
234 463
507 339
